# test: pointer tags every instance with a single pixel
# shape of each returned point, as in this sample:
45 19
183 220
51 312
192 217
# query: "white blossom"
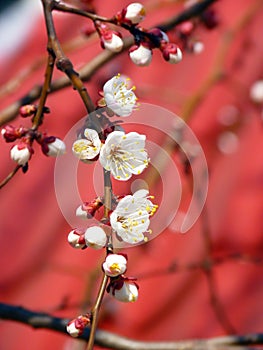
80 213
256 91
76 239
131 218
95 237
20 154
127 293
124 154
140 55
114 265
88 148
119 97
56 148
112 43
172 53
135 12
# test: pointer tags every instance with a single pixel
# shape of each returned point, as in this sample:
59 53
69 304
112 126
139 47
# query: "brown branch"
94 65
63 63
113 341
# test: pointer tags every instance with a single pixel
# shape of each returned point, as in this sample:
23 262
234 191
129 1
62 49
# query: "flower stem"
95 312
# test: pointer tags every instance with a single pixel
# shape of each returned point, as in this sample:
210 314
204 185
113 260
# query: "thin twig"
95 312
10 112
37 120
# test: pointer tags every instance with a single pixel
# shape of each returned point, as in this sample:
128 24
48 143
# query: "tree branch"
85 74
114 341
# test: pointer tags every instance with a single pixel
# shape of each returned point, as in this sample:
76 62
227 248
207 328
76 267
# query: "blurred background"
204 283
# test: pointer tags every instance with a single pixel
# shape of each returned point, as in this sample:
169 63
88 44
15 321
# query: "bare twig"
92 67
113 341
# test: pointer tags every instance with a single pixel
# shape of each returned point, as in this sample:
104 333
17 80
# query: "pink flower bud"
21 153
76 239
135 13
172 53
114 265
76 327
140 55
10 133
27 110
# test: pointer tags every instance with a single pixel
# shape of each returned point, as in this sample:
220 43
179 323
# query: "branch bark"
113 341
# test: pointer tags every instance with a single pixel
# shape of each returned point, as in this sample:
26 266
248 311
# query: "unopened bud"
135 13
10 133
110 39
21 153
123 289
172 53
95 237
76 239
140 55
76 327
55 148
27 110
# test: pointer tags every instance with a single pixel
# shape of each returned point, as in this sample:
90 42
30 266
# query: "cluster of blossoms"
122 155
122 288
22 151
145 40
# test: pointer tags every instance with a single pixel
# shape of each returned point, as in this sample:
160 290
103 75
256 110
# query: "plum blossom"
21 153
88 148
119 97
112 42
95 237
141 55
135 13
172 53
124 154
76 239
131 218
114 265
52 146
76 327
123 289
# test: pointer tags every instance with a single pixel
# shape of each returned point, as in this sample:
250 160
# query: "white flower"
95 237
56 148
76 239
119 97
114 265
124 154
112 42
135 12
256 91
80 213
20 153
172 53
88 148
127 293
140 55
131 218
